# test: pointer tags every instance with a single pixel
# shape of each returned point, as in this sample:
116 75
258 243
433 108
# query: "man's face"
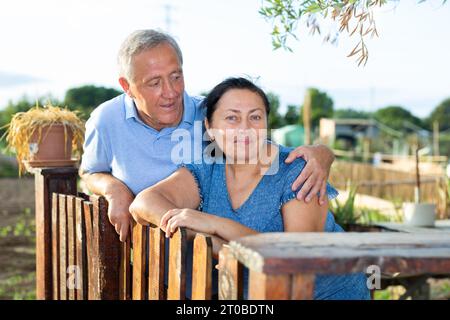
157 86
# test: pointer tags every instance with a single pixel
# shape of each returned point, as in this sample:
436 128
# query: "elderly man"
128 141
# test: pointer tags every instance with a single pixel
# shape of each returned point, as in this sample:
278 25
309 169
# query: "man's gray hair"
139 41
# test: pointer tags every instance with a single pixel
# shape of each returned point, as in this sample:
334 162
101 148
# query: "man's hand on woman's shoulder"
314 176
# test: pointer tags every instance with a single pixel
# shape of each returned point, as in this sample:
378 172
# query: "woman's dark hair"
210 102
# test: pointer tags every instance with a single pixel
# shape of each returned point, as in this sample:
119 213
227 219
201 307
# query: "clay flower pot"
54 148
45 136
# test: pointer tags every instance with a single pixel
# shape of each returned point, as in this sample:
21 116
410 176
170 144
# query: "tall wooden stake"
436 138
307 117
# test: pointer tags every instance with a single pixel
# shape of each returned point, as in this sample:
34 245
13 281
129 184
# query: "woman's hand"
315 174
189 218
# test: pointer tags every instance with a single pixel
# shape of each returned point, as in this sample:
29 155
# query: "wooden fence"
79 255
89 261
390 184
85 252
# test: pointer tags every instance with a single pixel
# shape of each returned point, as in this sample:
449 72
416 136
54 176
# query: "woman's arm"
223 228
299 216
179 190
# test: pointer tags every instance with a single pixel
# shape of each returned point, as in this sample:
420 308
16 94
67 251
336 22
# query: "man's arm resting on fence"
119 198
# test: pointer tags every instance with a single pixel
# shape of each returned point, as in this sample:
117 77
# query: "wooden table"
284 265
441 226
417 286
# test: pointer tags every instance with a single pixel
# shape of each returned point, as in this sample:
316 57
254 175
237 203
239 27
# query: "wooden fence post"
48 181
108 249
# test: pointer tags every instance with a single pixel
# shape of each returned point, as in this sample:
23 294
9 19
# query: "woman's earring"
212 139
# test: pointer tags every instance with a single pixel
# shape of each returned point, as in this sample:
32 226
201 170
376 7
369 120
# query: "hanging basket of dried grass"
45 137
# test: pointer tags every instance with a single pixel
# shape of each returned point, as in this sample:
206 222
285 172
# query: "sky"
49 46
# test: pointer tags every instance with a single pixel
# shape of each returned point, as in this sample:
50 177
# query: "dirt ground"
17 256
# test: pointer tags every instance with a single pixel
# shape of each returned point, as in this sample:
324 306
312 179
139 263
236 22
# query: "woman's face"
239 125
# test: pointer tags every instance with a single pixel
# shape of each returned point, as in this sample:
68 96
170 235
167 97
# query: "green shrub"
344 213
24 227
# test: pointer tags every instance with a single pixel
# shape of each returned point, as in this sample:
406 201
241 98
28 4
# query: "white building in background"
349 130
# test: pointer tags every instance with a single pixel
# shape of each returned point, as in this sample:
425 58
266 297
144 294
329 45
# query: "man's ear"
125 86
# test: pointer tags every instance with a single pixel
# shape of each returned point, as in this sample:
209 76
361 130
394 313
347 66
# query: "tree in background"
276 120
6 114
351 114
321 106
396 117
441 114
87 98
83 99
292 115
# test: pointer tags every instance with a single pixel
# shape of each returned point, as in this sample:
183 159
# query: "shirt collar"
188 109
130 108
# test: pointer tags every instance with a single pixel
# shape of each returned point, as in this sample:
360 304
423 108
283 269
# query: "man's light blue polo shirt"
117 141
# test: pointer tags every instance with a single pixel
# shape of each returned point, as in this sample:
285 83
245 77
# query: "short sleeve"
96 156
293 171
198 172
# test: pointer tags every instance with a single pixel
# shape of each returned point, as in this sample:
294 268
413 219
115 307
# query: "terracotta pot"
53 145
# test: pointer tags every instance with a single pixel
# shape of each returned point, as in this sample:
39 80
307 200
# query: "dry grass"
24 124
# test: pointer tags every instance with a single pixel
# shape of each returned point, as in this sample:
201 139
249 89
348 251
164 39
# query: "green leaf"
275 31
313 8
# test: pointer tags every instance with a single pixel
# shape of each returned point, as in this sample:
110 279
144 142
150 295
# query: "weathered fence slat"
63 247
108 251
156 290
91 255
125 271
139 240
95 249
177 263
71 272
55 246
202 268
230 276
80 248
